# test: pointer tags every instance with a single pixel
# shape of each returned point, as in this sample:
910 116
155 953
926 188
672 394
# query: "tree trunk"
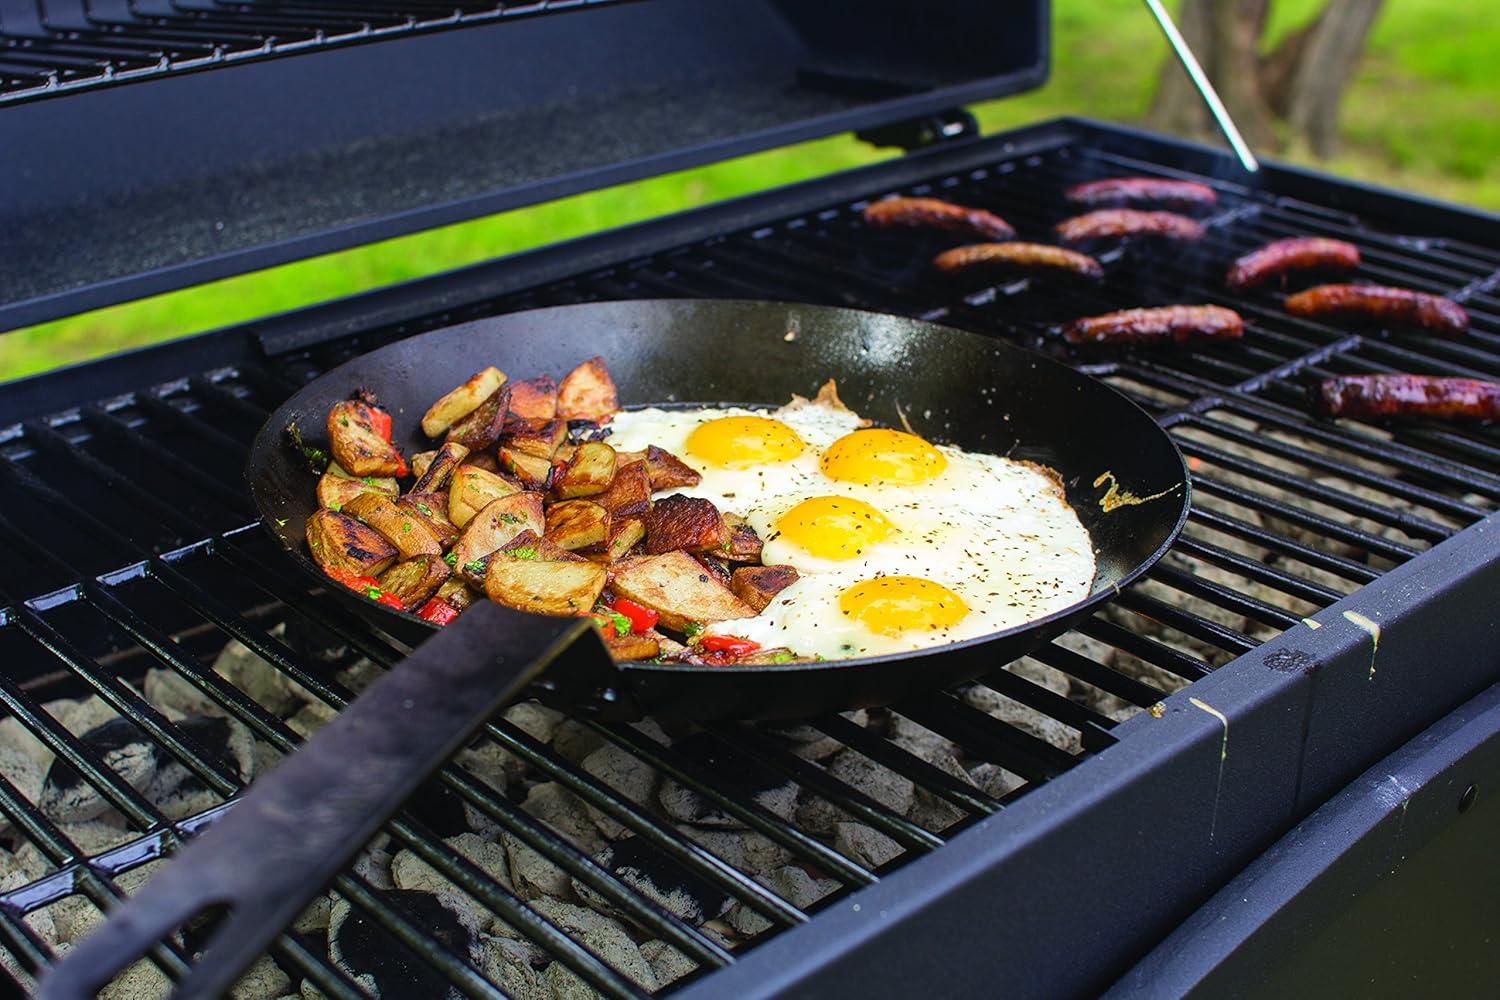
1177 108
1327 63
1224 35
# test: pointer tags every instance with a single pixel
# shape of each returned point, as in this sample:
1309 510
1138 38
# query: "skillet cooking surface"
953 387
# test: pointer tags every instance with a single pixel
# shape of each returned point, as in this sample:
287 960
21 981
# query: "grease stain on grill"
1371 628
1115 497
1290 661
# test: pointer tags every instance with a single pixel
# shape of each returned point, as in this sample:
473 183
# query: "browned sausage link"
1373 397
1023 256
1301 253
1380 306
1120 192
930 213
1111 223
1164 324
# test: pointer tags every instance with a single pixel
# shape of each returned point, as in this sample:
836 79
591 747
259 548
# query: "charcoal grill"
1328 606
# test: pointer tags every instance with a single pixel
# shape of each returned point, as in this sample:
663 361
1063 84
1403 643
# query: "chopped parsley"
509 518
622 624
524 552
373 593
785 656
451 558
423 508
317 458
281 522
692 630
475 567
405 527
370 480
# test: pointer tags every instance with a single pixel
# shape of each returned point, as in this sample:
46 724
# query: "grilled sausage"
1174 324
1301 253
931 213
1122 192
1022 256
1113 223
1380 306
1373 397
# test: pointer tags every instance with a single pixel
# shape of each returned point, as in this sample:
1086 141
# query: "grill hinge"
929 130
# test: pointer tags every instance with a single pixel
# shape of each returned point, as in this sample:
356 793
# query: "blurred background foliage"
1421 111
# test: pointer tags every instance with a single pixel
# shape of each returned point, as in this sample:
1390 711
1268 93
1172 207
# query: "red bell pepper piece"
380 422
728 644
437 611
641 617
367 585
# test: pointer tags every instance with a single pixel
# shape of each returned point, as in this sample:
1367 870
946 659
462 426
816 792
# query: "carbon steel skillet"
296 828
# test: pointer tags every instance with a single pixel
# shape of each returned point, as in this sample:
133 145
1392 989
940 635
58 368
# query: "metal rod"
1205 88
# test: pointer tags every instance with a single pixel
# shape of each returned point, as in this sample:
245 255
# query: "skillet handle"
298 827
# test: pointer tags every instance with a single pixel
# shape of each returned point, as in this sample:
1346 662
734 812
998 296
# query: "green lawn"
1423 114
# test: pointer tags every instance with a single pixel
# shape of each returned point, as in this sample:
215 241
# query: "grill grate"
56 48
134 560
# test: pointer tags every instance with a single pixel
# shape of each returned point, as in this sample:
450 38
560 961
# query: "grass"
1423 114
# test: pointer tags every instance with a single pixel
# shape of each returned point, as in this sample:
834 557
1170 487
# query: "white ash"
357 676
262 981
1044 727
18 737
994 780
654 875
273 690
171 692
627 775
374 866
918 739
507 964
931 811
22 771
490 764
811 743
864 845
409 871
792 884
180 793
124 749
667 963
603 936
533 876
310 718
574 741
1041 675
566 814
78 716
746 850
894 791
535 720
770 788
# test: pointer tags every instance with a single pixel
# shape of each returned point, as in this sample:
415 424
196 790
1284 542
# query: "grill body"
134 548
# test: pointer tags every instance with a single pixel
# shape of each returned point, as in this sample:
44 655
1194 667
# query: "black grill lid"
170 178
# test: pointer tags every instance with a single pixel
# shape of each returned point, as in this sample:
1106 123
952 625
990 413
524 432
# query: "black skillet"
298 826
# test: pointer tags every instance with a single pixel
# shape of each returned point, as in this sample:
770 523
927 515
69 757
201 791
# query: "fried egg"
899 543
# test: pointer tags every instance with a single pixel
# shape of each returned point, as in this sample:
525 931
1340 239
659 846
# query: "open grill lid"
199 156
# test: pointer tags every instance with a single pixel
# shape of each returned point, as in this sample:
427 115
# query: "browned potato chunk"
337 487
533 472
629 493
530 545
667 471
482 428
461 402
545 587
472 488
499 522
483 460
587 393
444 461
341 545
577 524
717 567
357 446
624 533
744 543
420 462
758 585
413 581
409 532
456 592
541 438
679 589
534 399
588 473
690 523
633 646
432 508
773 654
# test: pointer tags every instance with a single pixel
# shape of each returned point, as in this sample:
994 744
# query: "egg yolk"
735 442
879 455
891 605
834 527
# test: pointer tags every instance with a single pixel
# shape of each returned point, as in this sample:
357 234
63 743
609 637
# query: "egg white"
995 531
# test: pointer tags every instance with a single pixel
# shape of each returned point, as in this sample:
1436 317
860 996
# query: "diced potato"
471 488
420 462
535 398
530 545
678 589
432 508
690 523
340 544
483 460
533 472
757 586
411 534
457 592
444 461
499 522
412 582
337 487
356 443
667 471
541 438
624 533
543 587
632 646
770 655
587 393
577 524
629 493
482 428
744 543
461 402
588 473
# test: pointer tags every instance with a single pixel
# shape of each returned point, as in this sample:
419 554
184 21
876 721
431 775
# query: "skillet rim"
272 430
